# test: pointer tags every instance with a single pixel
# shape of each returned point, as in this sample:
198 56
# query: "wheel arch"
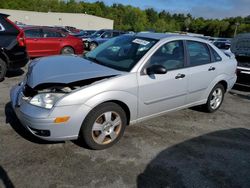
224 83
127 101
222 79
67 45
122 105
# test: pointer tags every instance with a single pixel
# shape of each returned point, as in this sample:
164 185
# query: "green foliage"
135 19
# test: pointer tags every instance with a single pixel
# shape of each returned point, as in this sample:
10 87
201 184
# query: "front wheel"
215 98
104 126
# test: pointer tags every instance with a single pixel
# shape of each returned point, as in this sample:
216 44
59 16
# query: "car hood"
65 70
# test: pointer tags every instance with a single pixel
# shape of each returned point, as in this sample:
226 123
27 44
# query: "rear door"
51 42
202 70
33 38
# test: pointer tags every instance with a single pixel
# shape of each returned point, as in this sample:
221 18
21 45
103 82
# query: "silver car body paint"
68 69
144 95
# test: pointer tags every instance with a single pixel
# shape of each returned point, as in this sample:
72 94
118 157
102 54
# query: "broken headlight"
46 100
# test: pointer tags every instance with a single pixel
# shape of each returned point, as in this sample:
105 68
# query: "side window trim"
51 31
39 32
212 54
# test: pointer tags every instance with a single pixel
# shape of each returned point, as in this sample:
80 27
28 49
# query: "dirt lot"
181 149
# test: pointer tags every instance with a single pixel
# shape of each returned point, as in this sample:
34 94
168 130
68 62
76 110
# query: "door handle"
211 69
179 76
35 39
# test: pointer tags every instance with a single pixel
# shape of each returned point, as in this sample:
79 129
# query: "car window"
33 33
121 53
215 56
2 27
170 55
107 34
51 34
115 34
198 53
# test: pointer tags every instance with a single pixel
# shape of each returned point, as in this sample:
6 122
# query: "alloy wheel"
216 98
106 128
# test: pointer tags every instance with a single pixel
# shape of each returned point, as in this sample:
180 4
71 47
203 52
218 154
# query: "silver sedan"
128 79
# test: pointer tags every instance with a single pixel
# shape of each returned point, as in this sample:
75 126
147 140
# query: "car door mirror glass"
156 69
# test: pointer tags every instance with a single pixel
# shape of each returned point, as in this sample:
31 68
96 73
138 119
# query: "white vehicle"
125 80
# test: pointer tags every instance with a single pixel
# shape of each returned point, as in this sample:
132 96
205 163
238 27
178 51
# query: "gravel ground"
187 148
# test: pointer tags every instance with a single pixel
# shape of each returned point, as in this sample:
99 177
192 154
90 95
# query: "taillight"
21 39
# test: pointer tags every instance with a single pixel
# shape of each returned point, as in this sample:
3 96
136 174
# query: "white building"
80 21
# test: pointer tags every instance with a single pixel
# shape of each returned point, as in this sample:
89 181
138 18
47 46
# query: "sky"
198 8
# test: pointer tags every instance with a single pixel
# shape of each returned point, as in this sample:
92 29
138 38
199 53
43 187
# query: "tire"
92 46
215 99
99 133
3 70
67 50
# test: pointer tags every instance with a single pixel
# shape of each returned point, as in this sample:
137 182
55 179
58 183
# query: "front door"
162 92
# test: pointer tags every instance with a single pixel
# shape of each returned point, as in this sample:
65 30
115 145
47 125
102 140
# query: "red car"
45 41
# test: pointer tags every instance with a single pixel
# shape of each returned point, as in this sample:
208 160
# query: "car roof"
160 36
39 27
4 15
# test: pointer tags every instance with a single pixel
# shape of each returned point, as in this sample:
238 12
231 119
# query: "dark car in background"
225 47
241 48
100 37
45 41
12 46
84 33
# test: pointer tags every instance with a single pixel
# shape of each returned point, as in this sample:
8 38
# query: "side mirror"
156 69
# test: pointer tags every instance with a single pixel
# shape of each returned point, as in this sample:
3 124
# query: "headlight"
46 100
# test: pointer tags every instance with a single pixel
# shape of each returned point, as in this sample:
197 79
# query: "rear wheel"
104 126
92 46
215 98
3 69
67 50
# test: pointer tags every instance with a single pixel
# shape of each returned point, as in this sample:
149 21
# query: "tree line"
131 18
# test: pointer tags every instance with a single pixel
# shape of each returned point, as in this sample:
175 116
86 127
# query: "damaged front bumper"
41 122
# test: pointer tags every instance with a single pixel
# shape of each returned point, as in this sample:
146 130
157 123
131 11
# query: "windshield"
121 53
